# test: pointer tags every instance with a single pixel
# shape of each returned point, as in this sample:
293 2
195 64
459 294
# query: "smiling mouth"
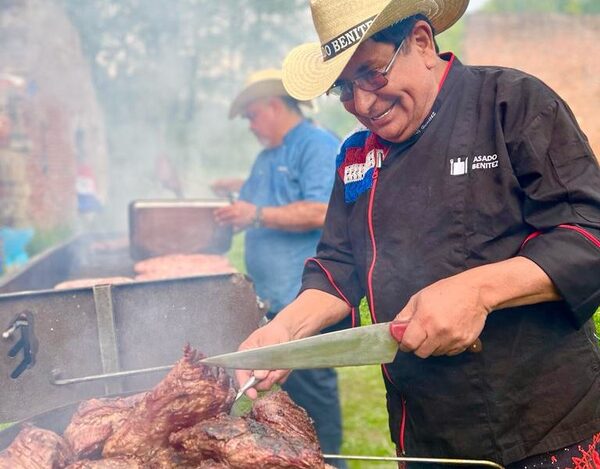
381 116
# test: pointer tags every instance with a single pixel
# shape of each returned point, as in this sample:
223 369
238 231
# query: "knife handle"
398 328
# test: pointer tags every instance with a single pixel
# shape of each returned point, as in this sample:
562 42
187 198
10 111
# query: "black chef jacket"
500 168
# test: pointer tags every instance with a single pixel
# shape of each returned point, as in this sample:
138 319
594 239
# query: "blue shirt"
302 168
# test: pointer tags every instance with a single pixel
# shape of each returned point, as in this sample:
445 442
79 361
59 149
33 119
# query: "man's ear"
422 40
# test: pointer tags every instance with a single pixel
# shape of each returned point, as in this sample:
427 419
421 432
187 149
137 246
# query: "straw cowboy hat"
309 70
261 84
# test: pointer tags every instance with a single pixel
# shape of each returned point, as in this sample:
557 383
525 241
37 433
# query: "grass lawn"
364 415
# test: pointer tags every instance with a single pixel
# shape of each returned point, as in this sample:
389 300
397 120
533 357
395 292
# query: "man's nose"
363 100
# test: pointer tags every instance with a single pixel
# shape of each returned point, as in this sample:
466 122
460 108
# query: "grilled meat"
183 423
210 464
164 458
111 463
182 265
95 421
36 448
279 412
191 392
244 443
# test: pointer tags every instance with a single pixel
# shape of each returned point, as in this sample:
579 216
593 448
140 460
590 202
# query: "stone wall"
562 50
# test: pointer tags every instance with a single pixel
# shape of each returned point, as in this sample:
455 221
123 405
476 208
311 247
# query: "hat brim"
259 90
306 75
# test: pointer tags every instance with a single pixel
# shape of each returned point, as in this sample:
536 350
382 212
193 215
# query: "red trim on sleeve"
586 234
330 278
530 237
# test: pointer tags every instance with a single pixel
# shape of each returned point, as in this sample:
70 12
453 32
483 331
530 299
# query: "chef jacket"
499 169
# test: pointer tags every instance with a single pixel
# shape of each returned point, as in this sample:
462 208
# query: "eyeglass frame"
337 90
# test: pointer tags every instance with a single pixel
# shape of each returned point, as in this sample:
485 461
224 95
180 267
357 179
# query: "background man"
282 206
469 208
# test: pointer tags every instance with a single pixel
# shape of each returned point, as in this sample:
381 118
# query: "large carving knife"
366 345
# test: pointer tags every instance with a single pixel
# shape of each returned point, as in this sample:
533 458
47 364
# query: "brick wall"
562 50
57 102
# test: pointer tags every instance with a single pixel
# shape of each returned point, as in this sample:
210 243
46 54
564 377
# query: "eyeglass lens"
372 80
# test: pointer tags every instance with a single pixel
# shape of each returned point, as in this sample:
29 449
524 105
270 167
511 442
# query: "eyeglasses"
371 80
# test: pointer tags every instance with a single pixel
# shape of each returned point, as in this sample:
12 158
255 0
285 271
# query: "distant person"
470 208
282 207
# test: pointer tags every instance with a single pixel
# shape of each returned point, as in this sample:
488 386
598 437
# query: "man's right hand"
270 334
310 312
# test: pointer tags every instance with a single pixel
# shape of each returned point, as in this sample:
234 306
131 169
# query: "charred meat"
183 423
279 412
244 443
164 458
35 448
95 421
191 392
110 463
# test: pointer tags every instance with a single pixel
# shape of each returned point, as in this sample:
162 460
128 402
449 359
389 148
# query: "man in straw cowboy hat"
282 206
469 208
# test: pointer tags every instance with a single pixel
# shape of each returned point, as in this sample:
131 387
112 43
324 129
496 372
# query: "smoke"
165 76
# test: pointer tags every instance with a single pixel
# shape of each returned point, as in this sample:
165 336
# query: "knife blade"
365 345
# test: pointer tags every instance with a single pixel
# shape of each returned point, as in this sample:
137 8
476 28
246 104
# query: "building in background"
51 120
560 49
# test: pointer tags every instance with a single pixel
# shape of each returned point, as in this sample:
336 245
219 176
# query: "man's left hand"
444 318
447 317
239 214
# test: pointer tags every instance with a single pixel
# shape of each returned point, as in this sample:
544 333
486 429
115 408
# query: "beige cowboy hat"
309 70
261 84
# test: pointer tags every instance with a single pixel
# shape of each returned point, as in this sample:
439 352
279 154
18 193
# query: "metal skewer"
455 462
247 385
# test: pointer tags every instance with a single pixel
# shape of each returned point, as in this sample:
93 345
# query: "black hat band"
345 40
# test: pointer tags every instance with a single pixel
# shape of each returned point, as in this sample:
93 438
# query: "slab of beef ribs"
36 448
95 421
244 443
278 411
110 463
164 458
191 392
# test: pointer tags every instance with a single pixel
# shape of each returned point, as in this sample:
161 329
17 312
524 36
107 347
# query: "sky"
474 5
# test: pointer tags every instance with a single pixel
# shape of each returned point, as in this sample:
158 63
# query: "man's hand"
448 316
239 214
310 312
444 318
272 333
